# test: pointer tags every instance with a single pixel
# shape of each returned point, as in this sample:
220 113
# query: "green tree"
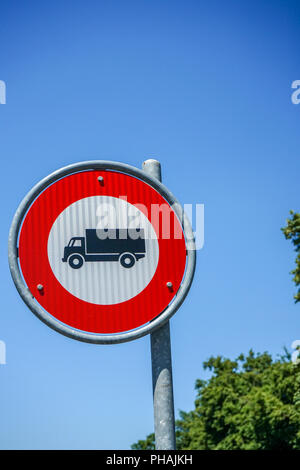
292 232
249 403
148 443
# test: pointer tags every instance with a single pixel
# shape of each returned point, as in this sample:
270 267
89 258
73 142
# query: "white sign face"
99 269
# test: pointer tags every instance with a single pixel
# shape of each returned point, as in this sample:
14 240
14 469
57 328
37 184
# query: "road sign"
97 250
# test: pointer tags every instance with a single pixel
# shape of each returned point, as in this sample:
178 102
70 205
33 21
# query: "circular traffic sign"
97 251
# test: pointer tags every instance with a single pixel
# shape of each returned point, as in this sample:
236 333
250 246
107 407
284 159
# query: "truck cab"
75 245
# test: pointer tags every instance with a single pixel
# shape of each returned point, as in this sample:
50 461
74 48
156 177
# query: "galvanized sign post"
89 259
163 401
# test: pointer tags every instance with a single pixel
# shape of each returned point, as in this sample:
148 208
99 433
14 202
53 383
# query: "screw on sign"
95 254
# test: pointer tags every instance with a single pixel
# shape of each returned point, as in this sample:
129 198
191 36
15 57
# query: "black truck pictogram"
123 245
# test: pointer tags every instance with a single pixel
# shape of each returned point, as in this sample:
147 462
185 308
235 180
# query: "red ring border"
61 304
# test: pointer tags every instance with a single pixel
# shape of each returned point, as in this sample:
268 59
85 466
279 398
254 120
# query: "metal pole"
163 401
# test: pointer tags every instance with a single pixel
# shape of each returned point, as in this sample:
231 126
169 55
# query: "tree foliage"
252 402
292 232
147 444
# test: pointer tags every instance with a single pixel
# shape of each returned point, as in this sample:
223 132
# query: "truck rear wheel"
75 261
127 260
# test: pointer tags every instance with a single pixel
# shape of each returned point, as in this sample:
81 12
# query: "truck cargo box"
115 241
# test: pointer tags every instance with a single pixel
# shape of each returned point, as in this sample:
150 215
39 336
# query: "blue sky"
205 87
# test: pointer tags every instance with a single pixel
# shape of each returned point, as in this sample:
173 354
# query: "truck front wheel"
75 261
127 260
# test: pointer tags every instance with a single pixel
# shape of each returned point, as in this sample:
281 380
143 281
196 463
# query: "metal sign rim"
47 318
